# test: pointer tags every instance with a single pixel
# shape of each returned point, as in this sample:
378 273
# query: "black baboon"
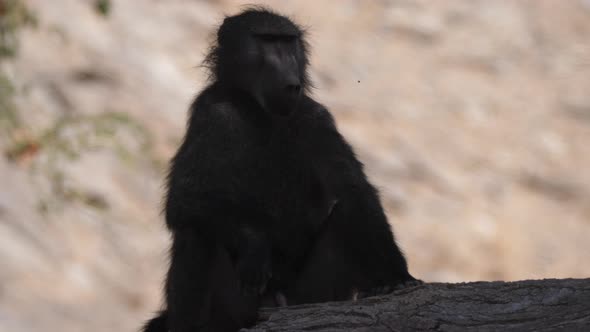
267 202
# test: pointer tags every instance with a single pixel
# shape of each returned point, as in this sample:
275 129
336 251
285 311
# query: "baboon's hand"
253 262
254 271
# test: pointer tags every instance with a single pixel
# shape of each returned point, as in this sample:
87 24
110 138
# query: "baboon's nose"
294 88
292 84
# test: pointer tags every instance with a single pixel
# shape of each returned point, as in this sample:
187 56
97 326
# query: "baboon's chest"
286 176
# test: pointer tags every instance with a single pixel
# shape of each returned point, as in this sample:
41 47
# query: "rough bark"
531 305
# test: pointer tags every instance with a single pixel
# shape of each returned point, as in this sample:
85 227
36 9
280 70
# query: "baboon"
267 203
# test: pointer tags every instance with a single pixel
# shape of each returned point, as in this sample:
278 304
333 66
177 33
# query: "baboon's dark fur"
266 200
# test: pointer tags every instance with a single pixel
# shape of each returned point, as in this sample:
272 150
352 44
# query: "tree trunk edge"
527 305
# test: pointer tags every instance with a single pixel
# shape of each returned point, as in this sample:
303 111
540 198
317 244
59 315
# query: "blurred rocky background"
472 117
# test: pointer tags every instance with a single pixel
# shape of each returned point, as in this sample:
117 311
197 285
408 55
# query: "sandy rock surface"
472 117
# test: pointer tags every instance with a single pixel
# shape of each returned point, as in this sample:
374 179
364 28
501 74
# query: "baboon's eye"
275 38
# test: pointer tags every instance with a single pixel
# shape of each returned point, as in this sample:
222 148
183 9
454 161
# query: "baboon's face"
273 70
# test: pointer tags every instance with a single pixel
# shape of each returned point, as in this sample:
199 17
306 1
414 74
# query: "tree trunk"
530 305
